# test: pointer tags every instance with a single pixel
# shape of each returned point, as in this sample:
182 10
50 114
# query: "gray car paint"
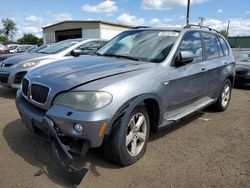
175 89
6 56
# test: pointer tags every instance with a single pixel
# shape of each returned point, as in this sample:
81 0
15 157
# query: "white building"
81 29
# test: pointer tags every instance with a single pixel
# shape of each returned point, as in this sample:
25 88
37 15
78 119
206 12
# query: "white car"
12 47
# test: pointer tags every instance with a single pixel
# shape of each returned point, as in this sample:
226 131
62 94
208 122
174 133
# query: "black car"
242 71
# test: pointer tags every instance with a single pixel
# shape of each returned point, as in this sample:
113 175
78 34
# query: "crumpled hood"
67 74
25 57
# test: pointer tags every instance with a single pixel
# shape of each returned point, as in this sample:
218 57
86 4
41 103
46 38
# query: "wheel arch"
151 101
231 78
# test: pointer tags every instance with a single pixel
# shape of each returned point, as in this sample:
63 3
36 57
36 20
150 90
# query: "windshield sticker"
168 34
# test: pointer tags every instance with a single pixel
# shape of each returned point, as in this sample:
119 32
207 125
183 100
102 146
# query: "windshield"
23 48
31 48
145 45
58 47
39 48
242 56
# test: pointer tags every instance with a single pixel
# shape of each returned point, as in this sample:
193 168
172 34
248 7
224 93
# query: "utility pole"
202 21
228 25
188 9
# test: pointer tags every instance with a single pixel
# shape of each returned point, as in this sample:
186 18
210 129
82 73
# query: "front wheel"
224 98
128 142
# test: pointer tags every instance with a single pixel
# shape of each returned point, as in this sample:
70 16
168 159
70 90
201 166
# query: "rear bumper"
242 79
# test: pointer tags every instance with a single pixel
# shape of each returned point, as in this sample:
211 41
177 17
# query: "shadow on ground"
242 87
38 153
7 93
176 126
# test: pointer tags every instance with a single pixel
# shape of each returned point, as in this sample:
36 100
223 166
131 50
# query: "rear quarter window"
220 47
224 45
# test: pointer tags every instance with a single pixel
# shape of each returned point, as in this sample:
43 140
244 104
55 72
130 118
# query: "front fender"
127 108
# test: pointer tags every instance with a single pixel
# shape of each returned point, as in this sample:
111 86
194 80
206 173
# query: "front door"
186 84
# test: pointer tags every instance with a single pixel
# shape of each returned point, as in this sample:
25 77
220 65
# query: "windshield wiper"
119 56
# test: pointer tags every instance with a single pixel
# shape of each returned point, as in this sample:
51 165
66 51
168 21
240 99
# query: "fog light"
78 127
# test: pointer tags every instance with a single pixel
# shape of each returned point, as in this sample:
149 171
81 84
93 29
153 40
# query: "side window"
211 45
192 42
224 45
90 47
220 47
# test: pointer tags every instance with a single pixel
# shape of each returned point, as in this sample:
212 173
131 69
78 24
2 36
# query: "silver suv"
140 81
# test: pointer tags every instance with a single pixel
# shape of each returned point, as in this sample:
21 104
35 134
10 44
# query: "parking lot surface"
206 150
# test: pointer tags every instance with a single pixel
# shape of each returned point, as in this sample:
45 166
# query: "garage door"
68 34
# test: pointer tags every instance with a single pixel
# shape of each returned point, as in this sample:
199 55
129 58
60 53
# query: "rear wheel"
128 142
224 98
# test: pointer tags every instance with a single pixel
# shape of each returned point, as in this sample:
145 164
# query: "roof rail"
141 27
200 26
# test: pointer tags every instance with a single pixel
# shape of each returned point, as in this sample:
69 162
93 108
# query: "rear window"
211 45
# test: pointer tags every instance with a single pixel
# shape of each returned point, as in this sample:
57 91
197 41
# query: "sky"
32 15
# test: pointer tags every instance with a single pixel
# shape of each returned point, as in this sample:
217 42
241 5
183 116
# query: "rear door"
216 60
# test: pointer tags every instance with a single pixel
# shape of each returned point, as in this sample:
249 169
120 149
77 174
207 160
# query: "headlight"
28 64
84 101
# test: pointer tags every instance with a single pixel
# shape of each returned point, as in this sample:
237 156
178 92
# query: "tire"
115 148
224 97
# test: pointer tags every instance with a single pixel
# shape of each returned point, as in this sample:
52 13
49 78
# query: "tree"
224 33
40 41
3 39
30 39
9 28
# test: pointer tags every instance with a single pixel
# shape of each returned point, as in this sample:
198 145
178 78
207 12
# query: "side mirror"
76 52
183 57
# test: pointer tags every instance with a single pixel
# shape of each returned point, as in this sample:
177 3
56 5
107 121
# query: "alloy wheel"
226 95
136 134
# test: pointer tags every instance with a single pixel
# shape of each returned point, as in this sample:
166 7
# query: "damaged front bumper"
63 145
73 174
61 153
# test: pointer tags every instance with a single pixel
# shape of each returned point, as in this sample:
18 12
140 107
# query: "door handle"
203 70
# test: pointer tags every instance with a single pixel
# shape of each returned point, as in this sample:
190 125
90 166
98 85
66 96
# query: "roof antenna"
188 9
228 25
